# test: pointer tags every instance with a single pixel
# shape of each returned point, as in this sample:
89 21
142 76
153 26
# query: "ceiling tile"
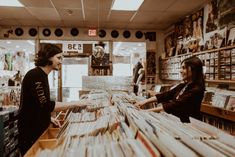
95 15
172 16
73 23
19 12
119 16
144 26
8 22
44 13
76 14
156 5
29 22
91 24
65 4
91 15
37 3
116 25
185 5
54 23
146 17
95 4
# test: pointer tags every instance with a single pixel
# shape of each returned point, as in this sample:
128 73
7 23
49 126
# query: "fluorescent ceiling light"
10 3
127 5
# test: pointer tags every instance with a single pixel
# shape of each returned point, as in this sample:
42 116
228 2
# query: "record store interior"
117 78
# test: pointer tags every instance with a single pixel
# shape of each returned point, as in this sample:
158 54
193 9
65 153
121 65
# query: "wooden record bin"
41 144
48 140
50 133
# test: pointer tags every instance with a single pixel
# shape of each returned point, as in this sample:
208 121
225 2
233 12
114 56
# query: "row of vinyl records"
219 64
220 98
222 124
120 129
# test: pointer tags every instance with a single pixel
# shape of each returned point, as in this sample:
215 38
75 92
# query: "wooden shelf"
202 52
100 67
218 112
221 81
217 66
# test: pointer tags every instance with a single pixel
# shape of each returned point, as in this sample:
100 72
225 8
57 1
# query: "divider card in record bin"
119 83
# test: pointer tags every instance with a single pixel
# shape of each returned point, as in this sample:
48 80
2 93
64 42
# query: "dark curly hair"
45 53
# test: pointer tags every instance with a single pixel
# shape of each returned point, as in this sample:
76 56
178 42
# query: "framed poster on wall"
151 63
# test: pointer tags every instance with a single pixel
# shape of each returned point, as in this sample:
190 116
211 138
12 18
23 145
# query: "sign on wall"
72 46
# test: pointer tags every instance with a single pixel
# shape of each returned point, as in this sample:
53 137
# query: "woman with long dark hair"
185 99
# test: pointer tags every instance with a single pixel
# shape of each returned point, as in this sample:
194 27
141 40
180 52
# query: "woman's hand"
146 101
139 104
156 109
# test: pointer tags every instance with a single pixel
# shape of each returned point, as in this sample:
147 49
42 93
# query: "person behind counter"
185 99
35 104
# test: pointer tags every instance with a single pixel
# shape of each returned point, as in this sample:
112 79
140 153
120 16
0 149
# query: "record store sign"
72 46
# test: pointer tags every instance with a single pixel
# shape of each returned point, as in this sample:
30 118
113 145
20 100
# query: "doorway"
72 71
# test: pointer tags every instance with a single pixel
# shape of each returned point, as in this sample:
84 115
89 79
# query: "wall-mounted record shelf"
221 81
218 112
219 64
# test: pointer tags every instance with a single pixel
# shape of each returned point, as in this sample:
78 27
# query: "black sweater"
35 106
183 104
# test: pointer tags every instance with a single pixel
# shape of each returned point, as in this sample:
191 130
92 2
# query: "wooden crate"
48 140
50 133
41 144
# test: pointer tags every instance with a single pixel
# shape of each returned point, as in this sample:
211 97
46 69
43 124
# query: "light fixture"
10 3
127 5
70 12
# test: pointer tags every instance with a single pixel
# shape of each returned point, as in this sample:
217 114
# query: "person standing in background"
35 104
19 62
185 99
141 78
136 74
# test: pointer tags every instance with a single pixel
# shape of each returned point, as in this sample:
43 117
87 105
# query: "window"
126 55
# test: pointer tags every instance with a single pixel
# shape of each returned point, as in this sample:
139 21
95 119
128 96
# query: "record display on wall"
46 32
19 31
126 34
74 31
114 34
139 34
102 33
58 32
33 32
151 36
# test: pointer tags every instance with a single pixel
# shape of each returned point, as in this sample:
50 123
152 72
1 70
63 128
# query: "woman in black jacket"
185 99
